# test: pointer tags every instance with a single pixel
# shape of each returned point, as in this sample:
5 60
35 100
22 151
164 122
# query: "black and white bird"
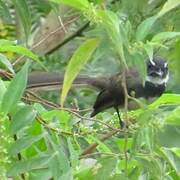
113 94
111 88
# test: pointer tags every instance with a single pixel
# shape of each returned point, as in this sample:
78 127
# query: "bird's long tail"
49 81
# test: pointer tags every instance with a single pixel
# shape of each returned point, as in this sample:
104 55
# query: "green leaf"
174 117
15 90
4 42
151 165
74 156
169 5
22 118
2 89
30 164
40 174
84 173
138 62
5 12
169 136
163 36
78 4
18 49
6 63
101 146
23 143
172 158
166 99
78 60
9 46
149 50
115 30
144 28
59 164
107 167
24 14
144 138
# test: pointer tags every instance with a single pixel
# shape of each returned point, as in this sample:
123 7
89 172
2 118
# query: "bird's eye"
150 66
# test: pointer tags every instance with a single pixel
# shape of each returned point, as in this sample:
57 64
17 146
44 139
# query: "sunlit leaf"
169 5
78 60
78 4
10 46
6 63
166 99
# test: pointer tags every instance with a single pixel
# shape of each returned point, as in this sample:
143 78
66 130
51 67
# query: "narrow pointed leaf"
144 28
169 5
163 36
23 11
9 46
78 60
15 90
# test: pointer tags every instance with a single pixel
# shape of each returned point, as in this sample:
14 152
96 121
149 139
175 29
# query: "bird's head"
157 71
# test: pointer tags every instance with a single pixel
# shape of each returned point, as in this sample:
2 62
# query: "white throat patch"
157 81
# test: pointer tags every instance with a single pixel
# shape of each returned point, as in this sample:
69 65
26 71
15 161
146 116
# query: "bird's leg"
120 121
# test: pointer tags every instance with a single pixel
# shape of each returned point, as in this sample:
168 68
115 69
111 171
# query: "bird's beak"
159 73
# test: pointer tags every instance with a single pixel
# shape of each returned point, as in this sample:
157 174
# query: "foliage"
50 141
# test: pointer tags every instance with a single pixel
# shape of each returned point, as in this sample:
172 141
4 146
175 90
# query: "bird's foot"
123 125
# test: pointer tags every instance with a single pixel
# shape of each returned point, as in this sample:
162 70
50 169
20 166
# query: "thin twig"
91 147
100 153
72 111
41 121
71 37
61 23
44 39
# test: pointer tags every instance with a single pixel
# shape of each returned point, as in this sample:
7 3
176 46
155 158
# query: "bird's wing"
103 101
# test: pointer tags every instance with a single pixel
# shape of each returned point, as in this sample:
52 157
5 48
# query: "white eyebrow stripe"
152 62
165 65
